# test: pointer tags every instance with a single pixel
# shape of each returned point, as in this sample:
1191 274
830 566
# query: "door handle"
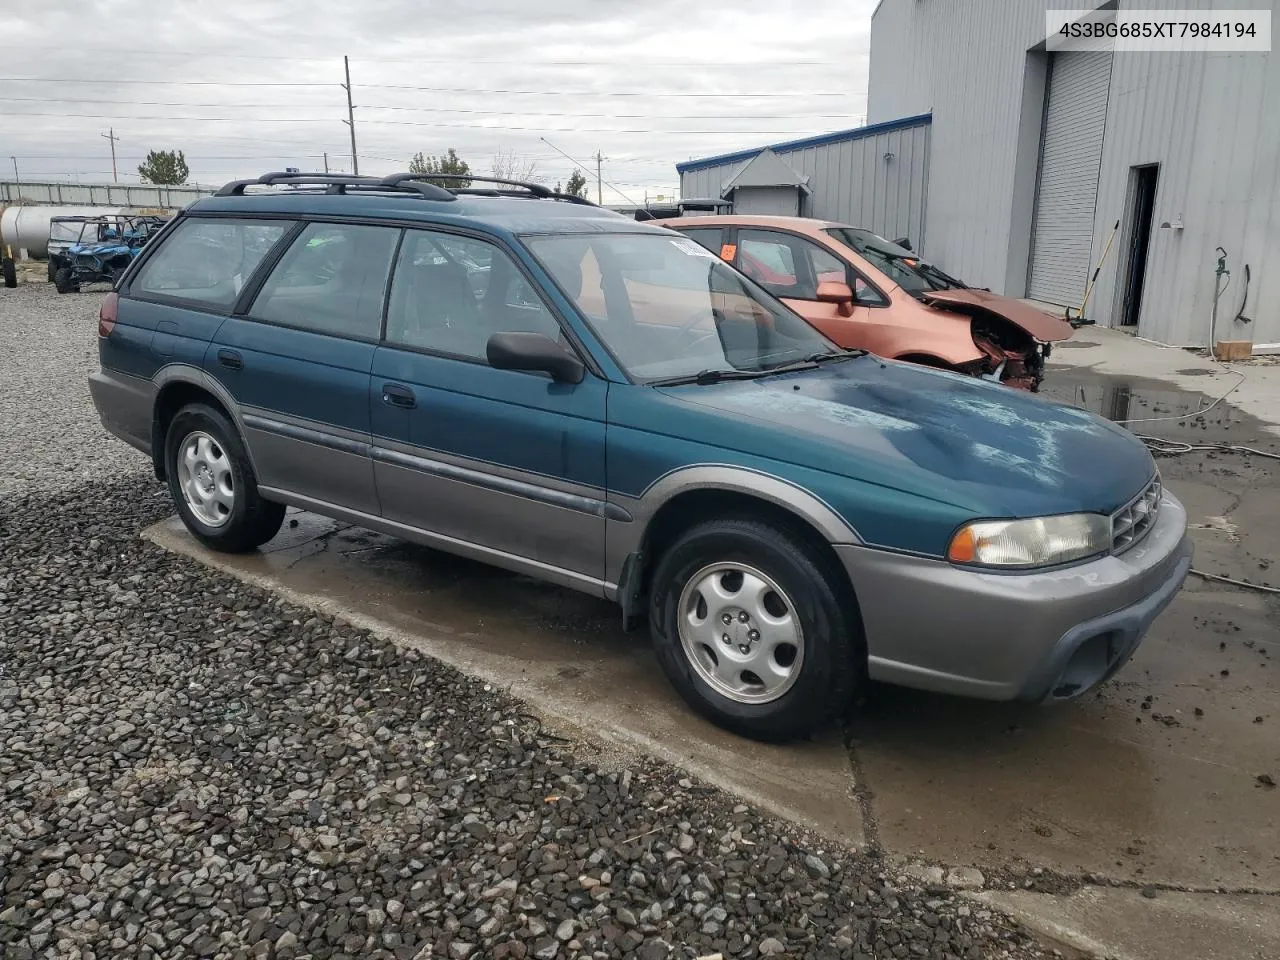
229 358
398 396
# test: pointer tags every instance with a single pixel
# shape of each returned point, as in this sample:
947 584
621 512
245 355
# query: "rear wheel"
212 483
752 629
64 282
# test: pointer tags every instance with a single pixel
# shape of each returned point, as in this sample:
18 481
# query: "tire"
62 280
223 510
826 661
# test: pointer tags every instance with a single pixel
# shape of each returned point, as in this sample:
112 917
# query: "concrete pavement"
1156 781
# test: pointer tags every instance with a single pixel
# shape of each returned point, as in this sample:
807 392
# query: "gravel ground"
50 436
192 768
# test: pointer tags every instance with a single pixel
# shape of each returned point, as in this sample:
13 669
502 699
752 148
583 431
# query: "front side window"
208 261
666 307
331 280
787 265
452 293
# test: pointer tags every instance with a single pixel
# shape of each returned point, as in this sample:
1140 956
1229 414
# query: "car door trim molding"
490 481
465 548
294 431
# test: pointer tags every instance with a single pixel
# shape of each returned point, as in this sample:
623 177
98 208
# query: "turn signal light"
964 546
107 314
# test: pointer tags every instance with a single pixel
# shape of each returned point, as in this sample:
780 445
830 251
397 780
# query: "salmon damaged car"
864 291
483 371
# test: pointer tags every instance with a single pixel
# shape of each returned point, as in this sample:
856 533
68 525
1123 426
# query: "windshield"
897 263
666 307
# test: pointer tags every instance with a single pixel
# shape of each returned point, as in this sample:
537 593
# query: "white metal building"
1035 157
872 176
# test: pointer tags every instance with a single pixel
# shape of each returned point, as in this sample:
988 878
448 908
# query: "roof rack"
414 183
340 183
536 189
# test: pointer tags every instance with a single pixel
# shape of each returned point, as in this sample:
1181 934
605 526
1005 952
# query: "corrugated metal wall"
1209 120
98 194
850 180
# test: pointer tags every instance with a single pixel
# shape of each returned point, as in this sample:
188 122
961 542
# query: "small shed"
767 186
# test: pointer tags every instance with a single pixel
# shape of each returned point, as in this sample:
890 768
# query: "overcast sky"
243 87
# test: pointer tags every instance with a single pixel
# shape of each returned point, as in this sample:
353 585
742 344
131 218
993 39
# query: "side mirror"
839 293
903 242
535 352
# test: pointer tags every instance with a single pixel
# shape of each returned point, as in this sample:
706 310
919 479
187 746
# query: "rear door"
508 463
791 266
297 362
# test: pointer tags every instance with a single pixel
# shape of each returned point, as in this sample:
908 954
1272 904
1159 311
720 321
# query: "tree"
577 185
509 165
167 167
449 163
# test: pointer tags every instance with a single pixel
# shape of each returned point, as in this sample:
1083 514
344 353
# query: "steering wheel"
687 337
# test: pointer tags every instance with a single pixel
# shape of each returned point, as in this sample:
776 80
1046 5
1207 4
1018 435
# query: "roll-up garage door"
1070 154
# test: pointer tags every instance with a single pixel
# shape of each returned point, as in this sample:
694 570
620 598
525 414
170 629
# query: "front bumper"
1047 635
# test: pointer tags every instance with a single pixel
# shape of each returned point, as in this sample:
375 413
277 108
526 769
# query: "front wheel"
752 629
212 483
64 281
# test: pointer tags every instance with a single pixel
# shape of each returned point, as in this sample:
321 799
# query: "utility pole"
599 178
351 116
326 163
111 135
16 178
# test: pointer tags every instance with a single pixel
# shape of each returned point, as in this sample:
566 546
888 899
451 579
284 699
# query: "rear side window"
708 237
208 261
331 280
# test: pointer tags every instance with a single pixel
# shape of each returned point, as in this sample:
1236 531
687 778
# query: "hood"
953 439
99 249
1043 326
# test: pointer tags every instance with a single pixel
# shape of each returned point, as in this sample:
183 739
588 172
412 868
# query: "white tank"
27 225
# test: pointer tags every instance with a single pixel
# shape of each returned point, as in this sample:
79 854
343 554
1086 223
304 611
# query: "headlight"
1036 542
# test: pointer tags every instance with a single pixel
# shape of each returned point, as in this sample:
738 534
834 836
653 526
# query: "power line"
428 123
394 86
488 113
697 65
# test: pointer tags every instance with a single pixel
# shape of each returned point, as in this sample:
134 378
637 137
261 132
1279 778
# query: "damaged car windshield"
667 308
897 263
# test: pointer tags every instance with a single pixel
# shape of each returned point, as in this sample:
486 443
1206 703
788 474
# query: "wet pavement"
1158 780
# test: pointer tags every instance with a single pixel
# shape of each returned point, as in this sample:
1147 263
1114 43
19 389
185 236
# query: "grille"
1132 522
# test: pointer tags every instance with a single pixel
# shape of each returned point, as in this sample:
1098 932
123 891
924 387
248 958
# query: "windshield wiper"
837 355
709 376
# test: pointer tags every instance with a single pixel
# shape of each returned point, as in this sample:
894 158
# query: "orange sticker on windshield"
729 251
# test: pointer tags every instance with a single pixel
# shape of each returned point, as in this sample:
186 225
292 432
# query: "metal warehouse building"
874 176
1035 156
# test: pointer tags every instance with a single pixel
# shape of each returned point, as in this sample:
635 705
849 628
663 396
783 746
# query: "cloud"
243 87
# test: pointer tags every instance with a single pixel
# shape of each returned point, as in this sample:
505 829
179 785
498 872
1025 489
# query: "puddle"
1134 400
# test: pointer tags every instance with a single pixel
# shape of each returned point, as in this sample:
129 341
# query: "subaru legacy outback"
524 378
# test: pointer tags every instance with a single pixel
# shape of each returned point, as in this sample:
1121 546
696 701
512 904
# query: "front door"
510 464
298 363
791 266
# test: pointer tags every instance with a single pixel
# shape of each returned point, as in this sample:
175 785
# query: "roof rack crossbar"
466 179
336 183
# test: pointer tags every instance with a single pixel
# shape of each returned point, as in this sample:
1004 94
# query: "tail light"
107 314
